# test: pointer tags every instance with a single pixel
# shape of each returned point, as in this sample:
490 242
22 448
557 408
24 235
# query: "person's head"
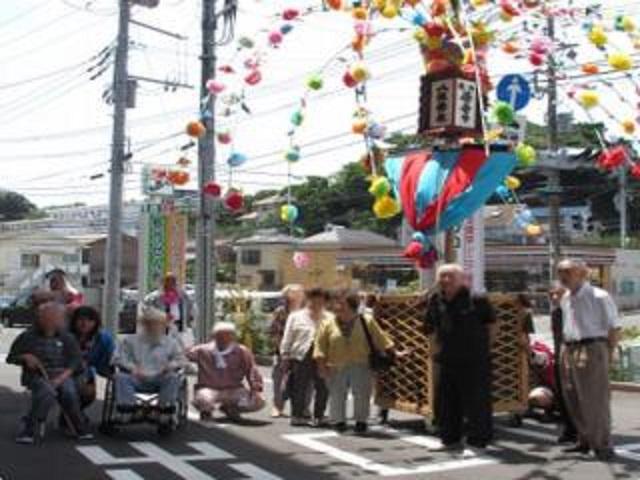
85 322
450 278
524 300
346 304
51 317
316 299
293 296
169 282
572 273
224 334
57 280
153 321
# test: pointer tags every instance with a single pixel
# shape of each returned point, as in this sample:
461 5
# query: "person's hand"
31 361
556 294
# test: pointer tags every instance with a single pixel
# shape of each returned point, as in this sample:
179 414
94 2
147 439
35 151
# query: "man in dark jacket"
50 358
462 326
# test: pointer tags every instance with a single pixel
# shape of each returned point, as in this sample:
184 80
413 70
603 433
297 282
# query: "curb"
625 387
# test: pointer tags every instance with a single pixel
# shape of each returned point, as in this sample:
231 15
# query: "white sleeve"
287 337
610 311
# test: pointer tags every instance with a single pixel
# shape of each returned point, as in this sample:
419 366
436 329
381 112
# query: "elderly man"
462 325
149 362
223 367
590 335
50 358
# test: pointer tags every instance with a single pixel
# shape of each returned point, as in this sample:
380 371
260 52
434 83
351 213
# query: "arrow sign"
514 89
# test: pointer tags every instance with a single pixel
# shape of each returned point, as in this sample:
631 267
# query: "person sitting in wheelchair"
149 362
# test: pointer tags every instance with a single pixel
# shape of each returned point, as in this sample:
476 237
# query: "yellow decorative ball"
359 72
389 11
420 36
598 36
628 126
512 183
359 13
588 99
385 207
620 61
628 24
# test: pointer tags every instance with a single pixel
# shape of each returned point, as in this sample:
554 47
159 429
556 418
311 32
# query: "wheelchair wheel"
183 405
107 422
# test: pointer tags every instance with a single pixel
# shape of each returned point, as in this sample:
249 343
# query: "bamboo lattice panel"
408 386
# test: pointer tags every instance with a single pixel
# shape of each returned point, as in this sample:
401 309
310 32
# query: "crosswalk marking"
124 474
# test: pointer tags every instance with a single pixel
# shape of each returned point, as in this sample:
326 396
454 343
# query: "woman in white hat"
228 378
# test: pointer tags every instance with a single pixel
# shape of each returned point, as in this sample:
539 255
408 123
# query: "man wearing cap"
223 367
590 336
148 362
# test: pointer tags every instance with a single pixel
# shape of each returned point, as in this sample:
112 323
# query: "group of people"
327 345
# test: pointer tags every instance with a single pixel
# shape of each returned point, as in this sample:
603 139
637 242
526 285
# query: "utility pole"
113 260
206 222
623 208
553 174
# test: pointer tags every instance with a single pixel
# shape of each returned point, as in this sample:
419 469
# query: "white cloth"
300 333
151 355
590 312
219 355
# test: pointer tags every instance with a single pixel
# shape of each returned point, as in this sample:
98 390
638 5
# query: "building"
93 255
260 259
345 258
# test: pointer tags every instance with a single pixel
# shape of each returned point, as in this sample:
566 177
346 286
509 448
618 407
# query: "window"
29 260
86 256
70 258
250 257
268 279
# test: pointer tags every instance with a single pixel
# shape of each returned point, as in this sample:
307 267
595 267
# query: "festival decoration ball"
380 187
288 213
512 183
628 24
292 154
212 189
315 82
413 250
390 11
286 28
348 80
510 47
385 207
196 129
376 131
359 13
612 158
275 38
246 42
628 126
503 113
236 159
418 19
334 4
526 155
620 61
598 36
635 171
290 14
214 87
536 59
301 260
253 78
297 118
588 99
224 137
419 35
178 177
590 68
419 237
359 126
359 72
234 200
533 230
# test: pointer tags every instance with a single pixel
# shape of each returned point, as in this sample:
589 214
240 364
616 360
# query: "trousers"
44 397
279 377
166 386
585 378
357 379
305 380
464 392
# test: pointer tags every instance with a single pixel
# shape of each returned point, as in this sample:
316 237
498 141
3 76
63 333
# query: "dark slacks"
568 427
464 393
305 376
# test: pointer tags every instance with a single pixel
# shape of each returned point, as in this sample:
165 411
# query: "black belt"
586 341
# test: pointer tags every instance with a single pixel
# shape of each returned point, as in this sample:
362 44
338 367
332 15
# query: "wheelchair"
146 409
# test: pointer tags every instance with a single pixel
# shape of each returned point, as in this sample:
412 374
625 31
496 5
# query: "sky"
55 128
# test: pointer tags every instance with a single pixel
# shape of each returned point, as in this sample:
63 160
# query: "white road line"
253 472
124 474
179 466
312 442
630 451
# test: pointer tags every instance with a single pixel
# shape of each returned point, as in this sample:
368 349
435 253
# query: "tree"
14 206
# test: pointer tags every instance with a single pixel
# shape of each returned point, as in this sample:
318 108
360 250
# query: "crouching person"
50 358
149 362
223 367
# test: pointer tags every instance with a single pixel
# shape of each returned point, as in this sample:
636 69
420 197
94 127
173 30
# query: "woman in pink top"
228 378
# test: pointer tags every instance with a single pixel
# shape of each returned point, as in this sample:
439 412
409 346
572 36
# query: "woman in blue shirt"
97 347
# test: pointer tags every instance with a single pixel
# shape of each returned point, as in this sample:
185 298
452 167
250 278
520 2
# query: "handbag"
378 361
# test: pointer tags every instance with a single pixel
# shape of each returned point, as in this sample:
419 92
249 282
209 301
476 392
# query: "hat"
150 314
223 327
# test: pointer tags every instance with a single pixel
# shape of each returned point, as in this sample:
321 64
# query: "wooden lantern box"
409 386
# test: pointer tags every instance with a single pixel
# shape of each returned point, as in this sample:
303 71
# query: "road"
266 449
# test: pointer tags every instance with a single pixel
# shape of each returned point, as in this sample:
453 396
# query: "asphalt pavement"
264 449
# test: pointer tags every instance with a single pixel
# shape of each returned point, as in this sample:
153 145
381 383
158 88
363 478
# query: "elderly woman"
149 362
342 354
223 367
293 301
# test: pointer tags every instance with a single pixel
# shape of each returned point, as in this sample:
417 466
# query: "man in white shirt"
590 336
296 349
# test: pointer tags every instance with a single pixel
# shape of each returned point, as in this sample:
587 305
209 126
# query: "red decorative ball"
413 250
612 158
635 171
536 59
212 189
234 200
348 80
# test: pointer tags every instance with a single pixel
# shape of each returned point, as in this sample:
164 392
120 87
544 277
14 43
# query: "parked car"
20 312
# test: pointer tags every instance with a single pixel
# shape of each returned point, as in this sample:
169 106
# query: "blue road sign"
514 89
